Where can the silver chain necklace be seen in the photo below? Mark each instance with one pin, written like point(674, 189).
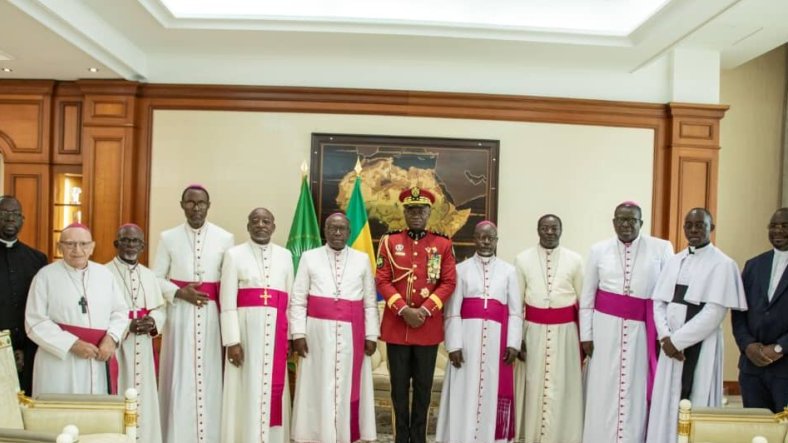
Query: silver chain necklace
point(337, 276)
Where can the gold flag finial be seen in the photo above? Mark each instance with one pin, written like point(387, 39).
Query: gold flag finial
point(358, 166)
point(304, 169)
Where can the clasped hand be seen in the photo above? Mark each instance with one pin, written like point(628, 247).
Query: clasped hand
point(670, 349)
point(190, 294)
point(102, 352)
point(414, 317)
point(761, 355)
point(142, 326)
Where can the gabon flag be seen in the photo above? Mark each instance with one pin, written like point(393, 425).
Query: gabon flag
point(360, 236)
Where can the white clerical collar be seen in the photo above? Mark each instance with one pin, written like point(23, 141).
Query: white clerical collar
point(122, 262)
point(485, 260)
point(73, 269)
point(337, 252)
point(630, 244)
point(264, 247)
point(9, 243)
point(780, 255)
point(198, 230)
point(547, 251)
point(699, 251)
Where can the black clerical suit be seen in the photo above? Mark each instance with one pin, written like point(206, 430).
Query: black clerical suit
point(766, 322)
point(18, 264)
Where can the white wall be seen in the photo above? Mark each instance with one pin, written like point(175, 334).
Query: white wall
point(249, 159)
point(750, 163)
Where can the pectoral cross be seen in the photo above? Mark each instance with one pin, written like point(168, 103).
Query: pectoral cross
point(265, 296)
point(83, 302)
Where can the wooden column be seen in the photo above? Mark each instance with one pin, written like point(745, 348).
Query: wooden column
point(25, 115)
point(107, 151)
point(694, 163)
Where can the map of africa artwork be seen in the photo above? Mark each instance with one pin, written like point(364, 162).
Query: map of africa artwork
point(461, 173)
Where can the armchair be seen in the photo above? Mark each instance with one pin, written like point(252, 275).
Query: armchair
point(100, 418)
point(730, 425)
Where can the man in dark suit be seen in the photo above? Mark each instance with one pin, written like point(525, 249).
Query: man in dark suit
point(762, 331)
point(18, 264)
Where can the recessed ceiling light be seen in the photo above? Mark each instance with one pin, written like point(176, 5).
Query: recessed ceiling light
point(93, 69)
point(7, 70)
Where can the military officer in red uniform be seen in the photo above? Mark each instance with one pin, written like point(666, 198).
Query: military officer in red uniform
point(416, 275)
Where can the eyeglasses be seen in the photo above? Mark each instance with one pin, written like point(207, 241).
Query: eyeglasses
point(72, 245)
point(620, 221)
point(130, 241)
point(697, 225)
point(780, 226)
point(12, 215)
point(191, 204)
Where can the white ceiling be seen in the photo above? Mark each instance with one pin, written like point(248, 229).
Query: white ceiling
point(144, 40)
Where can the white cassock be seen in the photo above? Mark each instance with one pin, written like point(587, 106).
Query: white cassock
point(331, 287)
point(550, 401)
point(617, 374)
point(256, 283)
point(472, 407)
point(713, 285)
point(53, 304)
point(190, 366)
point(135, 353)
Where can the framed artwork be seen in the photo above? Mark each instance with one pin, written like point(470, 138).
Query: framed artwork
point(461, 173)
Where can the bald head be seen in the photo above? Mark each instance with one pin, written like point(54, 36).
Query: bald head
point(260, 225)
point(698, 225)
point(76, 244)
point(337, 231)
point(129, 243)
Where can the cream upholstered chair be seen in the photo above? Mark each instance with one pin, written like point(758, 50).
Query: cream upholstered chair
point(730, 425)
point(100, 418)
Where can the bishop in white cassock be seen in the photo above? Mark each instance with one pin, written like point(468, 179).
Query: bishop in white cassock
point(335, 326)
point(147, 312)
point(483, 324)
point(616, 329)
point(188, 264)
point(256, 282)
point(691, 299)
point(549, 382)
point(76, 315)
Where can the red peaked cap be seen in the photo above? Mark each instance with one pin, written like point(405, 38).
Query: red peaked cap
point(416, 196)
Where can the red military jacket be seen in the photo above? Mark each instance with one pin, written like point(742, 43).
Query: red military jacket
point(415, 269)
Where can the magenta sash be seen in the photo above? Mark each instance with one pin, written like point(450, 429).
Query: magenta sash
point(211, 288)
point(329, 308)
point(555, 316)
point(551, 316)
point(253, 297)
point(638, 309)
point(94, 337)
point(498, 312)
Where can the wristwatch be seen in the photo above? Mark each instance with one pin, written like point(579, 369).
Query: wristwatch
point(778, 349)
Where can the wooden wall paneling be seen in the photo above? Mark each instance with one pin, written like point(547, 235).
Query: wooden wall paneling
point(30, 184)
point(25, 127)
point(694, 163)
point(67, 131)
point(695, 186)
point(107, 179)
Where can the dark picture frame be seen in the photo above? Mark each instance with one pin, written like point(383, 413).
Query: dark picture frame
point(463, 173)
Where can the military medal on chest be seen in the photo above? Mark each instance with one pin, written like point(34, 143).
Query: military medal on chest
point(433, 264)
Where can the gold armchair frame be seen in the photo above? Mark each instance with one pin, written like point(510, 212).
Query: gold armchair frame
point(110, 415)
point(737, 424)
